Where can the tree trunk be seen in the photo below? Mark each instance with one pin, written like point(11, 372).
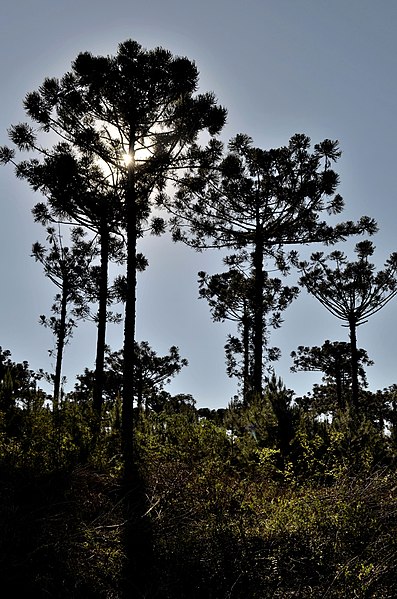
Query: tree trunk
point(354, 362)
point(101, 331)
point(138, 573)
point(258, 308)
point(129, 320)
point(246, 365)
point(60, 347)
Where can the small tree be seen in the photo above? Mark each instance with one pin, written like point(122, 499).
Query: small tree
point(153, 372)
point(334, 360)
point(67, 269)
point(351, 291)
point(18, 390)
point(230, 297)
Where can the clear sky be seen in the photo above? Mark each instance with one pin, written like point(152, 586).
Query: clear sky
point(326, 69)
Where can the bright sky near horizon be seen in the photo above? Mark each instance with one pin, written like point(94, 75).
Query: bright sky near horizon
point(326, 69)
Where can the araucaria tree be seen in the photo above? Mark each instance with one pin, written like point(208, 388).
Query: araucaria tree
point(136, 114)
point(351, 291)
point(333, 359)
point(66, 267)
point(153, 372)
point(78, 193)
point(258, 202)
point(230, 297)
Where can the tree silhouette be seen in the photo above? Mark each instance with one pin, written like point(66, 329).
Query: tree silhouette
point(351, 291)
point(18, 390)
point(334, 360)
point(66, 268)
point(258, 202)
point(230, 297)
point(78, 194)
point(153, 372)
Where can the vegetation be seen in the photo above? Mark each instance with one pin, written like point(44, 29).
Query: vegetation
point(118, 489)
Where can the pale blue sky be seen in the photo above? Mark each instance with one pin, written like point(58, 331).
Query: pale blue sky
point(327, 69)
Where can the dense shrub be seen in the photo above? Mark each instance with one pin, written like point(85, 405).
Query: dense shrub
point(224, 517)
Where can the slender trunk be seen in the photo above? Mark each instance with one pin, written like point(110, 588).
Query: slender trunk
point(258, 307)
point(61, 337)
point(138, 573)
point(101, 331)
point(60, 346)
point(129, 321)
point(246, 377)
point(354, 362)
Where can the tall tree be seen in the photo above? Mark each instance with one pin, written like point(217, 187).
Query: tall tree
point(258, 202)
point(351, 291)
point(137, 114)
point(66, 268)
point(78, 193)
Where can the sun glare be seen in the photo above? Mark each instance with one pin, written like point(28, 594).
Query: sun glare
point(142, 151)
point(127, 159)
